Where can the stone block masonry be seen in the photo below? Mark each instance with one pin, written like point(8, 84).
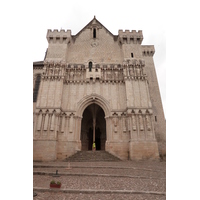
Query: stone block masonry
point(98, 87)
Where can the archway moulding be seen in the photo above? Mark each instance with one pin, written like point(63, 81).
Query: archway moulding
point(90, 99)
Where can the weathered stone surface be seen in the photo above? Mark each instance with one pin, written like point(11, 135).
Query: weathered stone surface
point(96, 86)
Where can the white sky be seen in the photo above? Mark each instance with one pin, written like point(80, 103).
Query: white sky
point(114, 15)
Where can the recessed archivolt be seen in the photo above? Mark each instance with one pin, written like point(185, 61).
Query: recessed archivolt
point(90, 99)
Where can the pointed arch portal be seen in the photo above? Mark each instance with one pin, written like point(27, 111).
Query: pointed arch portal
point(93, 128)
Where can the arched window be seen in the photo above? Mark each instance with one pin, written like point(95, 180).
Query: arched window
point(94, 33)
point(90, 66)
point(36, 88)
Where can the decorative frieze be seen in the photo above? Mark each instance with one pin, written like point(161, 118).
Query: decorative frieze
point(133, 69)
point(77, 73)
point(53, 70)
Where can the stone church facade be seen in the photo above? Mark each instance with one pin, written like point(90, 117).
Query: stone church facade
point(96, 86)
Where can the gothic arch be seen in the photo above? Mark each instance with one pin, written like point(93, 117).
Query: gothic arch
point(90, 99)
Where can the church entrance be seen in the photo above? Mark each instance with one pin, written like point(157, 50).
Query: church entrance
point(93, 128)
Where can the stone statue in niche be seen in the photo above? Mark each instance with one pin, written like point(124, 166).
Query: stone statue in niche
point(71, 75)
point(121, 75)
point(137, 69)
point(124, 70)
point(102, 74)
point(78, 75)
point(116, 75)
point(56, 71)
point(131, 71)
point(51, 71)
point(108, 75)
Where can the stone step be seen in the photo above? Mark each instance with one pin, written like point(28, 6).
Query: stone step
point(92, 156)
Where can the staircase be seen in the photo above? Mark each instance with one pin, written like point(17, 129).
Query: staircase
point(92, 156)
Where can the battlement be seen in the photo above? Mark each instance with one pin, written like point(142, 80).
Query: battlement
point(148, 50)
point(128, 36)
point(61, 36)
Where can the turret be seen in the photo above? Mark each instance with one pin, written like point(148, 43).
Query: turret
point(128, 37)
point(56, 36)
point(148, 50)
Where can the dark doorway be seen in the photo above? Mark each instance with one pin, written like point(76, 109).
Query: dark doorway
point(93, 114)
point(90, 138)
point(98, 139)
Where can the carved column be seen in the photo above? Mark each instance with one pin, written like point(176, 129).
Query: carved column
point(148, 122)
point(71, 122)
point(141, 122)
point(46, 121)
point(63, 123)
point(124, 123)
point(52, 121)
point(39, 121)
point(134, 127)
point(57, 124)
point(67, 125)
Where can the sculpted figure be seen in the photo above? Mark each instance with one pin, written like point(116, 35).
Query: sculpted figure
point(116, 75)
point(78, 75)
point(56, 71)
point(124, 71)
point(131, 71)
point(137, 71)
point(51, 71)
point(71, 75)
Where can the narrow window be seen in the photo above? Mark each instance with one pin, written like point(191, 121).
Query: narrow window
point(96, 70)
point(155, 118)
point(90, 66)
point(94, 33)
point(36, 88)
point(132, 55)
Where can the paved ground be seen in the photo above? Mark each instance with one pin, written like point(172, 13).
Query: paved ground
point(144, 180)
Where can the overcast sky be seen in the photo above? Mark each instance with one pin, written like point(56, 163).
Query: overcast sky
point(114, 15)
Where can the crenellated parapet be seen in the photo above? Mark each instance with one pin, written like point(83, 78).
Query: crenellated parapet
point(56, 36)
point(148, 50)
point(128, 37)
point(133, 69)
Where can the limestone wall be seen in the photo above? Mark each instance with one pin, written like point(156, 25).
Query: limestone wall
point(159, 118)
point(114, 93)
point(44, 150)
point(102, 49)
point(121, 80)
